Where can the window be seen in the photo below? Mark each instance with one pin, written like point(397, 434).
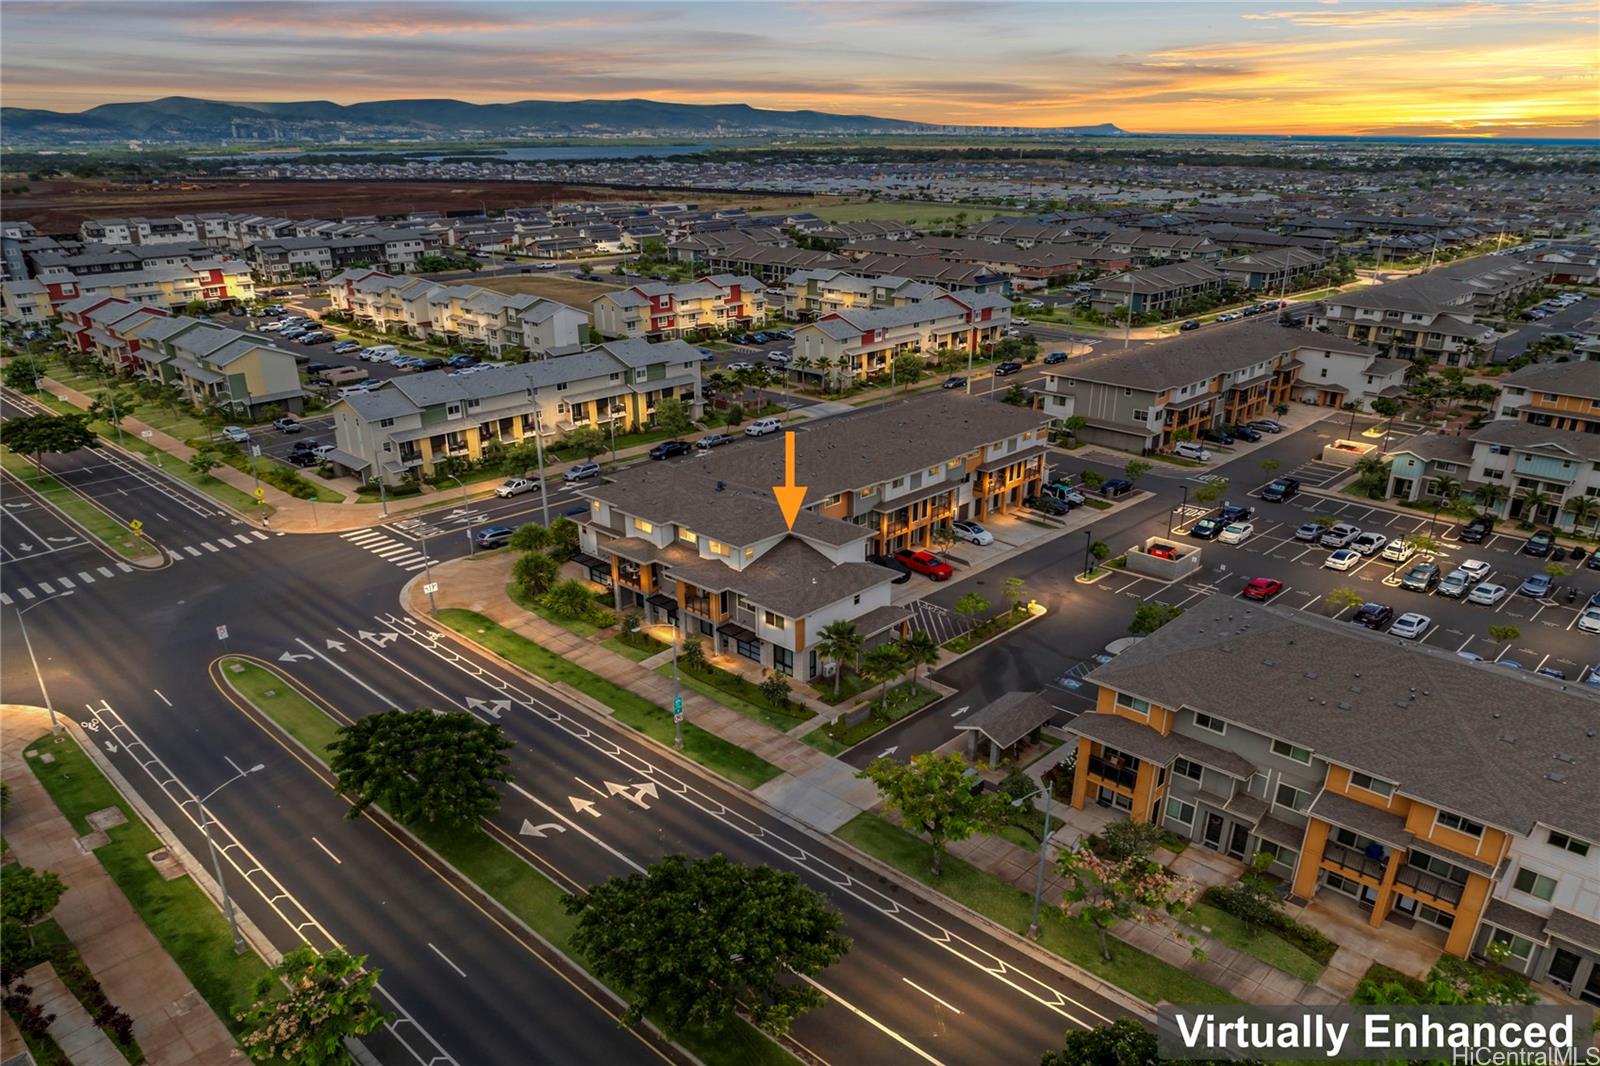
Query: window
point(782, 660)
point(716, 547)
point(1180, 812)
point(1284, 749)
point(1566, 843)
point(1371, 784)
point(1133, 703)
point(1436, 866)
point(1215, 725)
point(1459, 824)
point(1519, 947)
point(1279, 853)
point(1535, 884)
point(1184, 768)
point(750, 649)
point(1296, 799)
point(642, 526)
point(688, 536)
point(776, 621)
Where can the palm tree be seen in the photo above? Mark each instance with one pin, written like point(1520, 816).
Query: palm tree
point(1583, 509)
point(1532, 501)
point(1489, 496)
point(883, 663)
point(840, 641)
point(1446, 488)
point(919, 650)
point(1369, 473)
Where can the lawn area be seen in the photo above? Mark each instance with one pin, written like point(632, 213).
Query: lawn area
point(737, 694)
point(281, 476)
point(824, 741)
point(580, 627)
point(557, 454)
point(103, 527)
point(1143, 975)
point(177, 912)
point(494, 868)
point(634, 711)
point(1264, 944)
point(851, 685)
point(635, 652)
point(911, 212)
point(562, 289)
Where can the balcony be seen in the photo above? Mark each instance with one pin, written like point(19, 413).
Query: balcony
point(1421, 883)
point(1121, 775)
point(1354, 862)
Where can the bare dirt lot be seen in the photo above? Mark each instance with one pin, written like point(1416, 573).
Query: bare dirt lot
point(57, 207)
point(569, 291)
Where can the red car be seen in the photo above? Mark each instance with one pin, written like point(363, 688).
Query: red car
point(1263, 588)
point(925, 563)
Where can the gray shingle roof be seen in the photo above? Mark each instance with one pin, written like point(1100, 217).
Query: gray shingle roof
point(1010, 718)
point(1192, 356)
point(1569, 379)
point(1506, 747)
point(1526, 435)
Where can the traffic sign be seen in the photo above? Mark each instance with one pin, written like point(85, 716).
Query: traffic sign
point(136, 527)
point(431, 587)
point(146, 434)
point(260, 494)
point(677, 708)
point(222, 632)
point(255, 449)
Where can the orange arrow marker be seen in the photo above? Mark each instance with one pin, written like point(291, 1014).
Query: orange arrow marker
point(790, 496)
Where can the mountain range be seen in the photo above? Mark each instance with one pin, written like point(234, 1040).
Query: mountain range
point(187, 120)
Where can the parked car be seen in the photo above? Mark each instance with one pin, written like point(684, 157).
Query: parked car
point(1188, 449)
point(953, 382)
point(236, 434)
point(1398, 551)
point(925, 563)
point(971, 532)
point(1373, 615)
point(762, 426)
point(1339, 536)
point(286, 425)
point(1191, 324)
point(1540, 543)
point(1476, 530)
point(669, 449)
point(1423, 577)
point(1216, 436)
point(1476, 569)
point(1006, 369)
point(1487, 595)
point(1369, 543)
point(1116, 487)
point(1343, 559)
point(1308, 531)
point(902, 571)
point(712, 440)
point(493, 537)
point(1045, 505)
point(780, 358)
point(343, 347)
point(1055, 357)
point(1410, 625)
point(1064, 492)
point(1235, 533)
point(301, 459)
point(515, 487)
point(1284, 488)
point(323, 451)
point(1536, 585)
point(1208, 528)
point(1232, 512)
point(1454, 585)
point(1267, 425)
point(581, 472)
point(1245, 432)
point(460, 361)
point(1262, 588)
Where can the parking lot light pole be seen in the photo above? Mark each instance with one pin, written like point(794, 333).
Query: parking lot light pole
point(1088, 543)
point(472, 547)
point(1182, 506)
point(1044, 843)
point(55, 725)
point(427, 576)
point(216, 862)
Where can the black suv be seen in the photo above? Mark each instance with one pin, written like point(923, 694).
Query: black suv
point(1539, 544)
point(1006, 369)
point(1115, 488)
point(1373, 616)
point(1475, 531)
point(1281, 489)
point(667, 449)
point(1230, 513)
point(902, 571)
point(1207, 528)
point(1216, 436)
point(1246, 432)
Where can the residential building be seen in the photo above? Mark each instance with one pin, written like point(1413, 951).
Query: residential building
point(1557, 395)
point(167, 287)
point(656, 309)
point(413, 424)
point(1279, 270)
point(1383, 778)
point(502, 322)
point(703, 545)
point(1539, 468)
point(814, 293)
point(863, 341)
point(1158, 290)
point(1417, 318)
point(1335, 372)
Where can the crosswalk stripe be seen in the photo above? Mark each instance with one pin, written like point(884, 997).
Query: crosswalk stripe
point(124, 567)
point(4, 599)
point(208, 546)
point(256, 533)
point(193, 550)
point(66, 583)
point(25, 594)
point(389, 553)
point(367, 536)
point(104, 572)
point(225, 542)
point(85, 577)
point(415, 566)
point(46, 587)
point(354, 533)
point(174, 556)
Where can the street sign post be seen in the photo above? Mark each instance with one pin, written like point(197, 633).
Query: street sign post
point(136, 527)
point(222, 632)
point(431, 587)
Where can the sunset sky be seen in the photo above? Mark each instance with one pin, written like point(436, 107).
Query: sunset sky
point(1494, 68)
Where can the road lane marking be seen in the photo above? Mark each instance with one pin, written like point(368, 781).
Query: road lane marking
point(336, 859)
point(25, 594)
point(66, 583)
point(103, 572)
point(580, 829)
point(85, 577)
point(208, 546)
point(193, 551)
point(870, 1020)
point(439, 953)
point(392, 704)
point(163, 698)
point(930, 995)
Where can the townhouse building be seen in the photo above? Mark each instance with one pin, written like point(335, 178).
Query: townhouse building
point(1156, 290)
point(704, 547)
point(421, 308)
point(950, 276)
point(813, 293)
point(656, 309)
point(1149, 398)
point(1424, 317)
point(413, 424)
point(40, 299)
point(767, 263)
point(1389, 779)
point(211, 363)
point(866, 341)
point(1335, 373)
point(1272, 270)
point(1030, 267)
point(1145, 247)
point(1557, 395)
point(1539, 468)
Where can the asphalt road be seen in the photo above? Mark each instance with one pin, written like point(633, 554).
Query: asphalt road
point(1512, 345)
point(466, 988)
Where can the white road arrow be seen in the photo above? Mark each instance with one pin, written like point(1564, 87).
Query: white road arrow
point(483, 705)
point(335, 645)
point(291, 657)
point(622, 790)
point(62, 540)
point(959, 711)
point(886, 752)
point(25, 547)
point(112, 748)
point(530, 830)
point(380, 639)
point(586, 806)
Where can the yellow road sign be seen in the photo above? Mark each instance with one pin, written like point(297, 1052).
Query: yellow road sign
point(260, 494)
point(136, 527)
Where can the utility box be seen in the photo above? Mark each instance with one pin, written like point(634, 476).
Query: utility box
point(1163, 559)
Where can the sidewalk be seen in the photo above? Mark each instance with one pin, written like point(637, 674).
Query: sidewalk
point(173, 1025)
point(813, 788)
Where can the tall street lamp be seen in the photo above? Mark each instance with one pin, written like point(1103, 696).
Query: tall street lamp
point(1088, 543)
point(1181, 507)
point(538, 447)
point(677, 692)
point(1044, 842)
point(472, 548)
point(55, 725)
point(216, 862)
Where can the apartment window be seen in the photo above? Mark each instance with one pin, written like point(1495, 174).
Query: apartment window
point(1185, 768)
point(776, 621)
point(473, 405)
point(385, 423)
point(1141, 415)
point(1279, 853)
point(1133, 703)
point(642, 526)
point(1519, 947)
point(716, 547)
point(1284, 749)
point(1180, 812)
point(1535, 884)
point(1566, 843)
point(688, 536)
point(1296, 799)
point(1459, 824)
point(1438, 867)
point(782, 660)
point(1206, 721)
point(1371, 784)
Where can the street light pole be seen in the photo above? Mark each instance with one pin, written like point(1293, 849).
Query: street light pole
point(1182, 506)
point(1088, 543)
point(216, 860)
point(1044, 842)
point(55, 724)
point(427, 576)
point(472, 548)
point(677, 692)
point(538, 447)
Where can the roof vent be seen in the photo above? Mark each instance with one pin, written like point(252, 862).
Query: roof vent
point(1310, 675)
point(1508, 738)
point(1355, 688)
point(721, 485)
point(1562, 756)
point(1269, 662)
point(1558, 778)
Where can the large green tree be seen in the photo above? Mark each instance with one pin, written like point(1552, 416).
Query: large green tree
point(691, 940)
point(534, 572)
point(1121, 883)
point(934, 795)
point(672, 417)
point(37, 435)
point(23, 373)
point(422, 765)
point(329, 997)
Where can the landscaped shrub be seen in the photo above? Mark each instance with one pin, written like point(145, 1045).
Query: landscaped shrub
point(1227, 900)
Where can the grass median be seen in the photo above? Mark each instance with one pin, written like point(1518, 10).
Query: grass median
point(1145, 976)
point(181, 916)
point(737, 694)
point(487, 863)
point(629, 708)
point(101, 526)
point(1261, 944)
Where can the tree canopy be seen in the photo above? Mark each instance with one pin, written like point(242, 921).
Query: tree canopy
point(57, 434)
point(689, 940)
point(422, 765)
point(329, 997)
point(935, 796)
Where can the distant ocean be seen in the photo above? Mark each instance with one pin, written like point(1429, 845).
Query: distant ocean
point(1279, 138)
